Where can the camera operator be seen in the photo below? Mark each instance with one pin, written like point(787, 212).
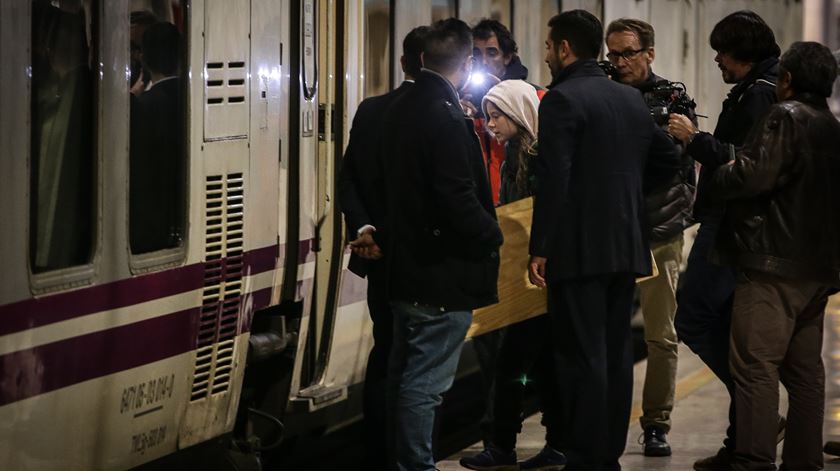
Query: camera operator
point(748, 57)
point(630, 44)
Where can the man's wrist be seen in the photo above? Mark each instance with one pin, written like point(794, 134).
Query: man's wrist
point(691, 137)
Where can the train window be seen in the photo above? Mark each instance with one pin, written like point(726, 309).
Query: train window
point(443, 9)
point(63, 117)
point(158, 150)
point(377, 47)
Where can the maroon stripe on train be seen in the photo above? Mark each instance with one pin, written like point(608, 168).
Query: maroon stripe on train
point(253, 302)
point(37, 312)
point(305, 251)
point(45, 368)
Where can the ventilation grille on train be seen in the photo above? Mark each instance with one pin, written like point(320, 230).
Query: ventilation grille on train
point(225, 83)
point(222, 296)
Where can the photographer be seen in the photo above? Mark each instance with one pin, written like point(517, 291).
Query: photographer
point(748, 57)
point(630, 45)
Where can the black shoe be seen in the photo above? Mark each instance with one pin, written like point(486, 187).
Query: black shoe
point(491, 459)
point(722, 461)
point(656, 442)
point(548, 459)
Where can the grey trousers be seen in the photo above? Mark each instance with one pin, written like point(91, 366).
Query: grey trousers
point(777, 334)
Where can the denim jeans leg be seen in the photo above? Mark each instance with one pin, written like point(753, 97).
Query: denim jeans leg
point(430, 342)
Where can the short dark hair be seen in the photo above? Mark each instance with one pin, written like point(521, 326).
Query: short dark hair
point(647, 37)
point(812, 68)
point(448, 43)
point(162, 48)
point(581, 29)
point(413, 46)
point(744, 36)
point(489, 27)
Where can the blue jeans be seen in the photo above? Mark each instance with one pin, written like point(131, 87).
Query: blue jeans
point(424, 356)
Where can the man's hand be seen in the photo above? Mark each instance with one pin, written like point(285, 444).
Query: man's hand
point(364, 246)
point(681, 127)
point(469, 109)
point(536, 271)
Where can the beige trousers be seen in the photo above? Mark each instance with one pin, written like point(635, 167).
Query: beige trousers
point(659, 306)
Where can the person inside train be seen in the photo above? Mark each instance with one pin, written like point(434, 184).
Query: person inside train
point(140, 79)
point(157, 143)
point(511, 110)
point(442, 238)
point(630, 44)
point(597, 144)
point(360, 197)
point(781, 232)
point(748, 57)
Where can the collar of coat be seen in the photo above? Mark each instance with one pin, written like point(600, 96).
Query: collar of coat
point(431, 78)
point(767, 70)
point(579, 68)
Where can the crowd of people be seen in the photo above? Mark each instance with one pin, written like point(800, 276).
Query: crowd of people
point(614, 189)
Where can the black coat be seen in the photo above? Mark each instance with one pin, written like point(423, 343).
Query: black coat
point(745, 105)
point(361, 183)
point(595, 137)
point(441, 231)
point(783, 202)
point(669, 205)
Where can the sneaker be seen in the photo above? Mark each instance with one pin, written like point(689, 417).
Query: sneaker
point(548, 459)
point(719, 462)
point(491, 459)
point(656, 442)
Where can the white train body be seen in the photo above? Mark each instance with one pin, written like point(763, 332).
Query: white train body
point(123, 359)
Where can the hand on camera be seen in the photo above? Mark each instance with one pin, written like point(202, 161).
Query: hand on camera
point(681, 127)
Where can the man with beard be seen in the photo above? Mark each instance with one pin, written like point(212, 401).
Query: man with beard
point(589, 240)
point(748, 56)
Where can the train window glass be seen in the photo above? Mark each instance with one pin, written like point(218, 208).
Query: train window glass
point(158, 129)
point(63, 117)
point(443, 9)
point(377, 47)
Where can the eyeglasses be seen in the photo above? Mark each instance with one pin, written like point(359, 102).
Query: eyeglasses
point(627, 55)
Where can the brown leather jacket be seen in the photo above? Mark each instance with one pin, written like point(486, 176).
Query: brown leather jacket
point(783, 194)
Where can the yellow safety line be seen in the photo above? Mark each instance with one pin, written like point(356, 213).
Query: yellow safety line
point(685, 386)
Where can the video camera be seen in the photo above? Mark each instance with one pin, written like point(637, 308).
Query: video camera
point(669, 97)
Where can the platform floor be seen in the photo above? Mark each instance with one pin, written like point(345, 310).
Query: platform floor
point(699, 417)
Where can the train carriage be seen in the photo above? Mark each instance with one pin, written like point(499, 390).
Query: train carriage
point(148, 305)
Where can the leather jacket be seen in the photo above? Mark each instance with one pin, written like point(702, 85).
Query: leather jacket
point(782, 195)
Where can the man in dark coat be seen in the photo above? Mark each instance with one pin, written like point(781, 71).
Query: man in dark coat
point(748, 57)
point(158, 146)
point(631, 50)
point(442, 238)
point(781, 230)
point(589, 239)
point(361, 189)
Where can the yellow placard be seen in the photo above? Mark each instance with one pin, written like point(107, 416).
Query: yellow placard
point(518, 298)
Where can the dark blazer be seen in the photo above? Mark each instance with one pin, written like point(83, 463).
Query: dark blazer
point(361, 184)
point(595, 137)
point(157, 167)
point(441, 231)
point(746, 104)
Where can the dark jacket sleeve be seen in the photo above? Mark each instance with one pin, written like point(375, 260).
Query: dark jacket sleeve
point(758, 166)
point(559, 121)
point(349, 200)
point(453, 187)
point(663, 161)
point(711, 151)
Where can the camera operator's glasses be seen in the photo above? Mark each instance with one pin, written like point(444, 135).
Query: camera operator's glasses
point(627, 55)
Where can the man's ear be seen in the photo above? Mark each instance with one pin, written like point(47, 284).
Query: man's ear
point(652, 55)
point(423, 59)
point(507, 59)
point(402, 63)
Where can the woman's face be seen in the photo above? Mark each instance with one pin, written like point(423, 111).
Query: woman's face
point(502, 127)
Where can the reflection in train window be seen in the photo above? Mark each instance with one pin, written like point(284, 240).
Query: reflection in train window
point(157, 158)
point(63, 114)
point(377, 47)
point(443, 9)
